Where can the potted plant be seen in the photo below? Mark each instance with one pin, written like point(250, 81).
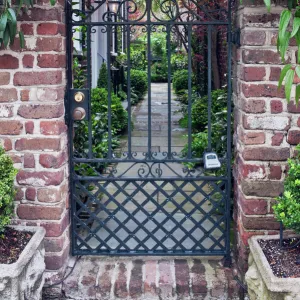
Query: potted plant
point(274, 261)
point(21, 248)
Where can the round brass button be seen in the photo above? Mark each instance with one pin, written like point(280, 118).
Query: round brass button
point(79, 97)
point(79, 114)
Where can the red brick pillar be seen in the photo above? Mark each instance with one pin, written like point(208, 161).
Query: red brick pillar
point(32, 128)
point(266, 127)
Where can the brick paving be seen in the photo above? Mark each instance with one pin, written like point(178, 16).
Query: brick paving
point(150, 279)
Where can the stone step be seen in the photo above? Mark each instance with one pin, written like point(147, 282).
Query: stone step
point(150, 279)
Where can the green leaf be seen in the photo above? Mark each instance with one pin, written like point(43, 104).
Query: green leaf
point(289, 78)
point(290, 4)
point(282, 74)
point(6, 37)
point(22, 40)
point(297, 69)
point(297, 37)
point(296, 25)
point(12, 24)
point(283, 45)
point(283, 23)
point(52, 2)
point(268, 4)
point(297, 94)
point(3, 21)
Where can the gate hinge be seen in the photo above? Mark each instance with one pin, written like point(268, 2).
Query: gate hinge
point(236, 37)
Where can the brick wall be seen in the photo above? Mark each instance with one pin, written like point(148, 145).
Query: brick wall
point(32, 128)
point(266, 128)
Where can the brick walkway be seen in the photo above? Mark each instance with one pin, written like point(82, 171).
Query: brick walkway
point(150, 279)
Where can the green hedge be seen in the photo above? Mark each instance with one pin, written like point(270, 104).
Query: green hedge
point(7, 190)
point(139, 82)
point(180, 80)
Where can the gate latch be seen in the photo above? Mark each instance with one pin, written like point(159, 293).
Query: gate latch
point(79, 102)
point(211, 161)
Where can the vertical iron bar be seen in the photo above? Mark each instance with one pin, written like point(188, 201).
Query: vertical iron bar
point(70, 124)
point(109, 154)
point(190, 28)
point(209, 85)
point(169, 91)
point(129, 91)
point(149, 86)
point(89, 86)
point(228, 200)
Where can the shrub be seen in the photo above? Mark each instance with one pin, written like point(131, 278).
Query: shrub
point(102, 79)
point(180, 80)
point(137, 60)
point(159, 71)
point(179, 61)
point(287, 208)
point(7, 190)
point(139, 82)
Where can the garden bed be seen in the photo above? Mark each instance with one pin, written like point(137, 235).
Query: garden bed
point(283, 261)
point(12, 243)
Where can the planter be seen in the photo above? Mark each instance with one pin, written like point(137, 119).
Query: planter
point(24, 280)
point(262, 283)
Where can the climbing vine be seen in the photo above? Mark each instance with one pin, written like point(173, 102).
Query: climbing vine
point(8, 20)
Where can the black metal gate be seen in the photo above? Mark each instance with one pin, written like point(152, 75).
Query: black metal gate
point(138, 186)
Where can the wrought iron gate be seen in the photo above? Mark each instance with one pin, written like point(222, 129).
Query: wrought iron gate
point(146, 194)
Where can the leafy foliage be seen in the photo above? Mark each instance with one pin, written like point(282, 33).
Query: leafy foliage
point(179, 61)
point(102, 79)
point(7, 190)
point(180, 80)
point(139, 82)
point(287, 208)
point(8, 21)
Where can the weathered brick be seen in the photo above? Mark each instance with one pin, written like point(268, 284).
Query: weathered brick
point(275, 73)
point(276, 106)
point(40, 14)
point(8, 61)
point(260, 223)
point(36, 78)
point(293, 108)
point(49, 44)
point(38, 212)
point(27, 28)
point(7, 144)
point(261, 20)
point(254, 73)
point(17, 159)
point(25, 95)
point(252, 171)
point(50, 29)
point(40, 178)
point(120, 289)
point(136, 279)
point(56, 229)
point(262, 188)
point(298, 122)
point(51, 60)
point(38, 111)
point(4, 78)
point(19, 194)
point(254, 106)
point(266, 122)
point(293, 137)
point(253, 38)
point(10, 127)
point(43, 144)
point(275, 172)
point(150, 277)
point(50, 94)
point(29, 127)
point(54, 244)
point(28, 61)
point(277, 139)
point(199, 283)
point(29, 161)
point(6, 111)
point(262, 90)
point(165, 280)
point(104, 287)
point(8, 95)
point(52, 127)
point(254, 206)
point(56, 261)
point(266, 153)
point(260, 56)
point(30, 193)
point(253, 138)
point(49, 195)
point(53, 161)
point(182, 277)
